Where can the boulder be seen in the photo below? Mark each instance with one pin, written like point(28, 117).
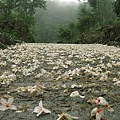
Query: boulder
point(2, 46)
point(4, 39)
point(109, 35)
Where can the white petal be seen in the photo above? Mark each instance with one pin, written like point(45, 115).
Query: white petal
point(39, 113)
point(81, 96)
point(94, 111)
point(13, 107)
point(3, 101)
point(46, 110)
point(74, 94)
point(36, 110)
point(40, 104)
point(98, 116)
point(19, 111)
point(103, 102)
point(59, 118)
point(3, 108)
point(111, 110)
point(67, 116)
point(117, 83)
point(10, 100)
point(76, 118)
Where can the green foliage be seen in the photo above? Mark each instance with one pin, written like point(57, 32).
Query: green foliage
point(86, 18)
point(93, 3)
point(92, 15)
point(9, 8)
point(84, 24)
point(103, 10)
point(21, 10)
point(65, 33)
point(69, 34)
point(116, 6)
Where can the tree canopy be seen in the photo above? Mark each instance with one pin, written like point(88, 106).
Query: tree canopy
point(117, 7)
point(57, 20)
point(92, 15)
point(22, 11)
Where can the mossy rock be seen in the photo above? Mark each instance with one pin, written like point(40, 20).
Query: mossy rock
point(93, 37)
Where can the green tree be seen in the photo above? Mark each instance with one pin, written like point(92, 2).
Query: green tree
point(21, 10)
point(21, 6)
point(69, 34)
point(117, 7)
point(86, 17)
point(103, 11)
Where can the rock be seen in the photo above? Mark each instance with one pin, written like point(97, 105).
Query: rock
point(2, 46)
point(92, 37)
point(14, 29)
point(4, 39)
point(109, 35)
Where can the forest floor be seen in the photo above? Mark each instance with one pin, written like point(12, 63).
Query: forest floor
point(31, 73)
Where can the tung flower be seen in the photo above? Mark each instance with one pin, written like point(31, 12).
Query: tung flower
point(39, 109)
point(117, 83)
point(98, 113)
point(94, 111)
point(76, 94)
point(65, 116)
point(7, 104)
point(101, 101)
point(103, 77)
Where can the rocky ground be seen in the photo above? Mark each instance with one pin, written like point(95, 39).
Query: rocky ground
point(50, 73)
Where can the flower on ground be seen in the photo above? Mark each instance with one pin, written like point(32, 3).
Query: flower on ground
point(117, 83)
point(98, 113)
point(65, 116)
point(103, 77)
point(40, 109)
point(7, 104)
point(75, 94)
point(94, 111)
point(101, 101)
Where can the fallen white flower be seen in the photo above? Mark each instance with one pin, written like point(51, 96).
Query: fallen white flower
point(39, 109)
point(75, 94)
point(101, 101)
point(103, 77)
point(117, 83)
point(98, 113)
point(94, 111)
point(7, 105)
point(75, 85)
point(115, 79)
point(65, 116)
point(110, 109)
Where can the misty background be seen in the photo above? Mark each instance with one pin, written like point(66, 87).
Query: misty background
point(52, 21)
point(57, 14)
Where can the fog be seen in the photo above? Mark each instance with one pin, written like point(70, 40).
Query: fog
point(49, 21)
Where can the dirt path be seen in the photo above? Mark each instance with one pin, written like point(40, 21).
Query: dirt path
point(51, 72)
